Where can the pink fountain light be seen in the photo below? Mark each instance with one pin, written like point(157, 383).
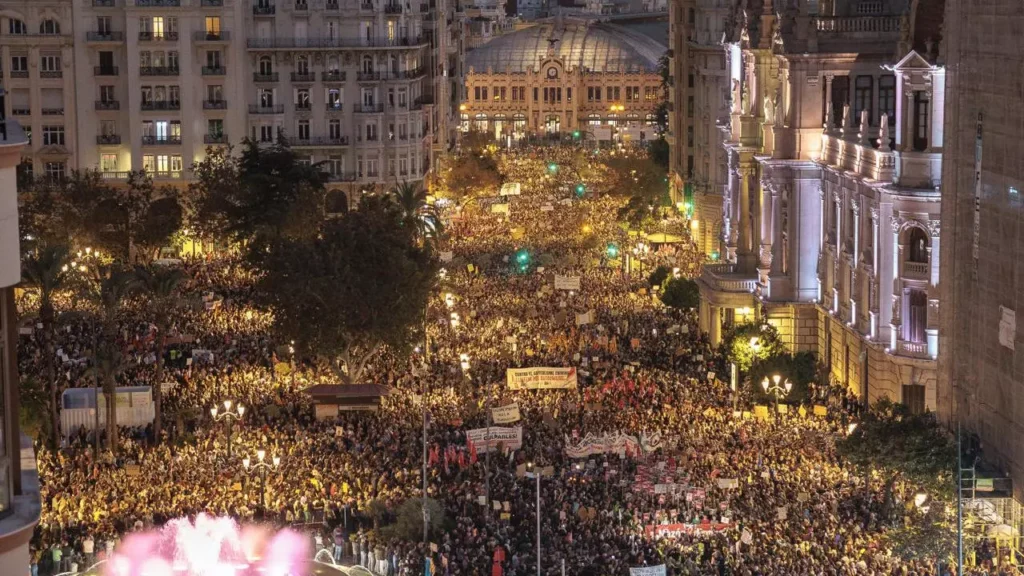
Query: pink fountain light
point(210, 547)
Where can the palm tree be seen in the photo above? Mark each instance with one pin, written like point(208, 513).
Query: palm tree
point(112, 286)
point(411, 199)
point(47, 270)
point(160, 285)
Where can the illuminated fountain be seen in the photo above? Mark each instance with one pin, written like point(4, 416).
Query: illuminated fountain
point(213, 547)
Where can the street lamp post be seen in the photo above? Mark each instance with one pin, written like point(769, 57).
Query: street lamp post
point(775, 389)
point(261, 468)
point(535, 473)
point(228, 416)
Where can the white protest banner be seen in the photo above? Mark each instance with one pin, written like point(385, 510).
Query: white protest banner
point(585, 318)
point(505, 414)
point(613, 442)
point(540, 378)
point(547, 208)
point(499, 208)
point(446, 256)
point(728, 483)
point(486, 439)
point(567, 282)
point(658, 570)
point(511, 189)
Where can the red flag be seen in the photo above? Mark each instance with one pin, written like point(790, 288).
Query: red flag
point(472, 452)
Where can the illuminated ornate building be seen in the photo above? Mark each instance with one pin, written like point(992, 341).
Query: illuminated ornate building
point(831, 211)
point(599, 79)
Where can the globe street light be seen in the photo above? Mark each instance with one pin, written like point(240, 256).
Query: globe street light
point(775, 389)
point(228, 416)
point(261, 468)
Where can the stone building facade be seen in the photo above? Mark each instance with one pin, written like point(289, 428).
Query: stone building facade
point(598, 79)
point(831, 209)
point(980, 375)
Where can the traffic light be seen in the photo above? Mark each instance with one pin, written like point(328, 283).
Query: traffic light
point(580, 190)
point(576, 134)
point(612, 251)
point(552, 167)
point(523, 257)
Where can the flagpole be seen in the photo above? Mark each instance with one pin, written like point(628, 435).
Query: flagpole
point(487, 455)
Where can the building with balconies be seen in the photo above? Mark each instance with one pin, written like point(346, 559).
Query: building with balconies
point(36, 51)
point(555, 77)
point(161, 74)
point(350, 82)
point(830, 227)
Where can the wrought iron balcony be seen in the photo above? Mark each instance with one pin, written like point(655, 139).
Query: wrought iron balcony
point(264, 10)
point(104, 36)
point(215, 104)
point(51, 73)
point(19, 73)
point(303, 107)
point(335, 107)
point(211, 36)
point(211, 3)
point(108, 105)
point(215, 139)
point(274, 109)
point(165, 141)
point(332, 76)
point(157, 3)
point(306, 77)
point(214, 70)
point(105, 71)
point(159, 71)
point(317, 142)
point(158, 37)
point(53, 111)
point(257, 77)
point(108, 139)
point(369, 108)
point(161, 105)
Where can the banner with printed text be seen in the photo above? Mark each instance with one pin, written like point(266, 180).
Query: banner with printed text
point(613, 442)
point(677, 530)
point(487, 439)
point(541, 378)
point(567, 282)
point(505, 414)
point(658, 570)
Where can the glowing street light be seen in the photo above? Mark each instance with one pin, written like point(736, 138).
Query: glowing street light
point(228, 416)
point(775, 389)
point(262, 468)
point(612, 251)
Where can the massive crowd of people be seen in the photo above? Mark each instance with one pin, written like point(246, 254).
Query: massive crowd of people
point(710, 490)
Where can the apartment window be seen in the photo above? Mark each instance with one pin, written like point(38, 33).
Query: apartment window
point(53, 135)
point(689, 106)
point(107, 94)
point(913, 398)
point(15, 26)
point(391, 131)
point(568, 94)
point(535, 92)
point(334, 129)
point(689, 80)
point(55, 170)
point(108, 128)
point(335, 165)
point(19, 63)
point(476, 93)
point(862, 94)
point(334, 97)
point(266, 66)
point(391, 31)
point(176, 164)
point(163, 163)
point(103, 24)
point(302, 65)
point(371, 167)
point(840, 96)
point(172, 60)
point(266, 133)
point(49, 63)
point(368, 99)
point(403, 166)
point(158, 29)
point(174, 94)
point(403, 97)
point(266, 98)
point(484, 92)
point(921, 120)
point(214, 59)
point(303, 130)
point(215, 93)
point(547, 98)
point(147, 94)
point(213, 25)
point(689, 136)
point(149, 163)
point(917, 316)
point(367, 64)
point(371, 132)
point(302, 98)
point(887, 97)
point(403, 132)
point(215, 127)
point(108, 163)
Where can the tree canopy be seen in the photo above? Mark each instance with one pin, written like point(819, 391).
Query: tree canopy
point(746, 344)
point(359, 284)
point(891, 439)
point(680, 293)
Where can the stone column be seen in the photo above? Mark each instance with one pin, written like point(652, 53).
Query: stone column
point(828, 97)
point(745, 211)
point(897, 289)
point(716, 325)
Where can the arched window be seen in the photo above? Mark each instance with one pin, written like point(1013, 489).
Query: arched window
point(917, 316)
point(302, 65)
point(15, 26)
point(480, 122)
point(651, 119)
point(594, 120)
point(49, 26)
point(917, 245)
point(367, 64)
point(266, 66)
point(332, 64)
point(519, 123)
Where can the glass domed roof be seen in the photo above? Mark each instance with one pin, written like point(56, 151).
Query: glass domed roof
point(595, 47)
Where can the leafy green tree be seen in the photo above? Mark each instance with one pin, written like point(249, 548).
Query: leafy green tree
point(262, 194)
point(658, 152)
point(160, 286)
point(133, 222)
point(681, 293)
point(361, 283)
point(658, 277)
point(47, 269)
point(746, 344)
point(892, 440)
point(408, 525)
point(470, 174)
